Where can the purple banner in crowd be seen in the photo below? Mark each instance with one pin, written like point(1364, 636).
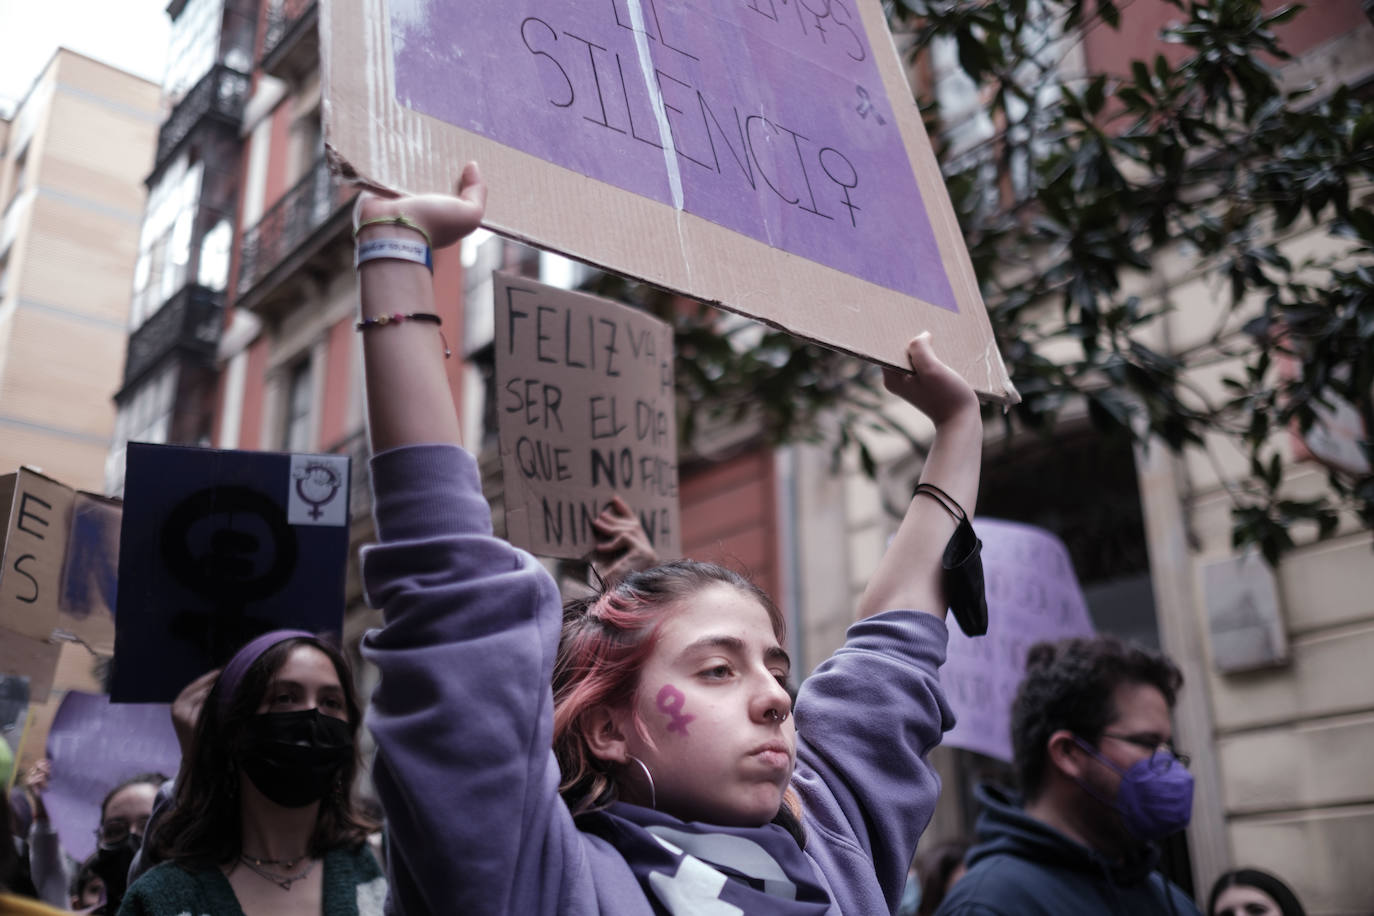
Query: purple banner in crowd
point(94, 745)
point(766, 117)
point(1033, 596)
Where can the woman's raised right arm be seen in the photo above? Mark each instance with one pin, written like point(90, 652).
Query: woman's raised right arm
point(408, 397)
point(462, 716)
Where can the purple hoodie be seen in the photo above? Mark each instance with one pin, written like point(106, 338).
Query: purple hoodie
point(463, 720)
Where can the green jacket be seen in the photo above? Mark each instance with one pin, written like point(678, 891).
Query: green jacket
point(353, 886)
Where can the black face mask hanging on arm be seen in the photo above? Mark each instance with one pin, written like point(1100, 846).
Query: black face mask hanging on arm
point(963, 566)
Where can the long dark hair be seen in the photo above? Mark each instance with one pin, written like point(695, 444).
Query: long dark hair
point(1261, 880)
point(203, 826)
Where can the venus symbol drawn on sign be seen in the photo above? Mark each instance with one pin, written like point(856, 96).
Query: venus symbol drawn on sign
point(866, 107)
point(670, 701)
point(317, 484)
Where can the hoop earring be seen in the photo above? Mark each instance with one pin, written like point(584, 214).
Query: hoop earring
point(653, 795)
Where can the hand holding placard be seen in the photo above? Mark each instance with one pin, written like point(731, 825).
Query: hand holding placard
point(35, 784)
point(445, 218)
point(186, 709)
point(625, 547)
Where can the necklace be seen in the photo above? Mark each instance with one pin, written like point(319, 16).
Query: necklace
point(287, 864)
point(282, 881)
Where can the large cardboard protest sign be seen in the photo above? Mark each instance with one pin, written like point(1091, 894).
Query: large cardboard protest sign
point(94, 745)
point(585, 411)
point(1033, 596)
point(218, 547)
point(763, 155)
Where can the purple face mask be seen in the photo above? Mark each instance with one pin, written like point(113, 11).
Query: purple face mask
point(1155, 798)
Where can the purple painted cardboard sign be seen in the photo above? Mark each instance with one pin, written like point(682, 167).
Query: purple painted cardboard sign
point(94, 745)
point(766, 117)
point(1033, 596)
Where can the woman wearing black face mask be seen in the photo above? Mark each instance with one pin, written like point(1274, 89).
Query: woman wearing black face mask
point(123, 817)
point(263, 819)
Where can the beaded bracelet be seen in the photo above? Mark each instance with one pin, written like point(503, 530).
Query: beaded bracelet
point(381, 321)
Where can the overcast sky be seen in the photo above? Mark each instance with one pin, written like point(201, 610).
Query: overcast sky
point(130, 34)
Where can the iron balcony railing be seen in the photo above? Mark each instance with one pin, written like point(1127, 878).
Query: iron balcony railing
point(220, 94)
point(286, 19)
point(189, 322)
point(291, 221)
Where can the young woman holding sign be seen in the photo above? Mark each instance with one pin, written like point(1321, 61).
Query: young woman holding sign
point(637, 753)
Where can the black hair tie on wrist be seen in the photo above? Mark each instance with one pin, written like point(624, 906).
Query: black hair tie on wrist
point(963, 566)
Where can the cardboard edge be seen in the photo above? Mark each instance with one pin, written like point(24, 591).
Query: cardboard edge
point(9, 485)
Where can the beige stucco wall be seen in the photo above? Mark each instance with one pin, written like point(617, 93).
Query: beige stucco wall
point(1288, 746)
point(88, 131)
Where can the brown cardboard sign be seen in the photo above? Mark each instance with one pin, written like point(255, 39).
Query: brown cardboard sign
point(585, 407)
point(35, 546)
point(760, 155)
point(61, 557)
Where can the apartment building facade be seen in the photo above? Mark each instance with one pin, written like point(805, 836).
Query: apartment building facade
point(74, 155)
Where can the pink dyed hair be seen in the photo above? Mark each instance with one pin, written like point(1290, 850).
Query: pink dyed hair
point(606, 640)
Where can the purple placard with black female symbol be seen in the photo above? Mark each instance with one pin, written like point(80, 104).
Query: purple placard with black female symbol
point(766, 117)
point(218, 547)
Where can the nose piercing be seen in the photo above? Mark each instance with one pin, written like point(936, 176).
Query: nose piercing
point(776, 716)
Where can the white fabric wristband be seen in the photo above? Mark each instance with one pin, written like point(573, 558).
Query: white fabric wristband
point(395, 250)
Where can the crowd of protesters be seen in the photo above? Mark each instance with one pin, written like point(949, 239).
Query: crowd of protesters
point(639, 750)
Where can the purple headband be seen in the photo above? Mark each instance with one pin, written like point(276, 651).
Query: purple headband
point(238, 666)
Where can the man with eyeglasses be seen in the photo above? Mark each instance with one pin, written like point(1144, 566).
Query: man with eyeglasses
point(1101, 784)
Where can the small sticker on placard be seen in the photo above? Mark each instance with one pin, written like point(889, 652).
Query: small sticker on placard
point(318, 490)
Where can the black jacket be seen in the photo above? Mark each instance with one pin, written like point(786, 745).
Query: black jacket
point(1023, 867)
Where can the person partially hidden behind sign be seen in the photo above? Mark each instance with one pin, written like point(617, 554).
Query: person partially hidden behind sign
point(636, 752)
point(124, 814)
point(262, 820)
point(11, 868)
point(1102, 785)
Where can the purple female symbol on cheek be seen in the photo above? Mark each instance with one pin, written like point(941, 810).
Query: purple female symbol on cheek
point(670, 700)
